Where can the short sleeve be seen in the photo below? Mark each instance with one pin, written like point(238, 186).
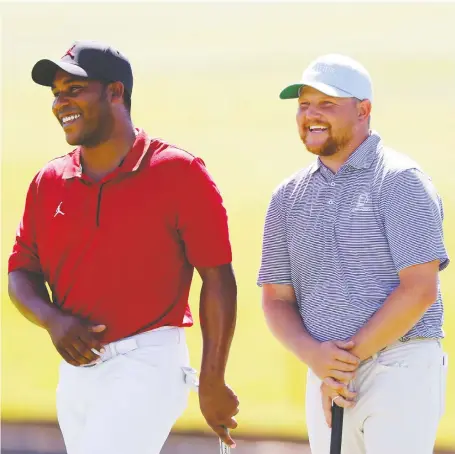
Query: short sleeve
point(25, 250)
point(275, 265)
point(203, 220)
point(413, 217)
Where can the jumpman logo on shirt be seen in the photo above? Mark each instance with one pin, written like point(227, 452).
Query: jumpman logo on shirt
point(58, 210)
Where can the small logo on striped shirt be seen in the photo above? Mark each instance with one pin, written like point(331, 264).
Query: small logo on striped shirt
point(363, 202)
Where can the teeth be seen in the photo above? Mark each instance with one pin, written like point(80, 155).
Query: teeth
point(317, 128)
point(70, 118)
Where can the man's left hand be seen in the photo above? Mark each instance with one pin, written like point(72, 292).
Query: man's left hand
point(328, 394)
point(219, 405)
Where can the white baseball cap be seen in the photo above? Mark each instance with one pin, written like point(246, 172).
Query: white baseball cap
point(335, 75)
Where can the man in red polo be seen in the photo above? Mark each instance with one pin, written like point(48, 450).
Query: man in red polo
point(116, 228)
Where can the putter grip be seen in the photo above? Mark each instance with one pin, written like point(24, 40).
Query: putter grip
point(224, 448)
point(337, 429)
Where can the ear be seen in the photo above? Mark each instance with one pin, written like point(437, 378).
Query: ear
point(116, 90)
point(364, 109)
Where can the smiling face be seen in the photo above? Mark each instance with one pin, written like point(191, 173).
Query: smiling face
point(82, 108)
point(328, 124)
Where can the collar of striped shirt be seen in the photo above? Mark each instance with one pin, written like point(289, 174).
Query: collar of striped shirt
point(362, 157)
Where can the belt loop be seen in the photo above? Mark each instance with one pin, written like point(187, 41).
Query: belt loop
point(113, 350)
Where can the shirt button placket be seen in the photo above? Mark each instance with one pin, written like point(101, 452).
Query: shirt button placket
point(331, 205)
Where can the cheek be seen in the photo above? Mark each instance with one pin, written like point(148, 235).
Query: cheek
point(54, 107)
point(338, 125)
point(91, 115)
point(344, 122)
point(300, 118)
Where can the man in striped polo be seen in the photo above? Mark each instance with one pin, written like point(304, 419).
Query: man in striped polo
point(352, 250)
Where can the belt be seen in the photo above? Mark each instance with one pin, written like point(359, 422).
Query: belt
point(160, 336)
point(401, 340)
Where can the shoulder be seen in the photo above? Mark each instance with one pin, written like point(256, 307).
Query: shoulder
point(394, 162)
point(403, 176)
point(54, 170)
point(168, 156)
point(394, 168)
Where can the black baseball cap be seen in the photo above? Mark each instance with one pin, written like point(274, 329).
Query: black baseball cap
point(87, 59)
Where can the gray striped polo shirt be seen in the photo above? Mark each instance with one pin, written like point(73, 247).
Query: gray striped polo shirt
point(341, 239)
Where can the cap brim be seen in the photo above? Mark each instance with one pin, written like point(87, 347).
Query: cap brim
point(293, 91)
point(290, 92)
point(43, 73)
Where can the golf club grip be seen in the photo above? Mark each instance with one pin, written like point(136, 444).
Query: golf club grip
point(337, 429)
point(224, 448)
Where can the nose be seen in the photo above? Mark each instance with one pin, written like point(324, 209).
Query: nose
point(59, 101)
point(312, 113)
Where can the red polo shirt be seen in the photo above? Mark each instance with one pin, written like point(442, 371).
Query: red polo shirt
point(122, 252)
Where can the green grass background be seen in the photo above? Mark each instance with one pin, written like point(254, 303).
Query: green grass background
point(207, 79)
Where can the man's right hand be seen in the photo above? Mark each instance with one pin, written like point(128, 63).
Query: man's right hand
point(74, 338)
point(332, 362)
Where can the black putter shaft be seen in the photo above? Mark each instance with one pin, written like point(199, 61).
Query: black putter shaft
point(337, 429)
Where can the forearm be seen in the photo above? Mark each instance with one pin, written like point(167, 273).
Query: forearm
point(285, 323)
point(29, 294)
point(401, 311)
point(218, 313)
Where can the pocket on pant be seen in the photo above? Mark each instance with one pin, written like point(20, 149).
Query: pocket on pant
point(443, 384)
point(417, 356)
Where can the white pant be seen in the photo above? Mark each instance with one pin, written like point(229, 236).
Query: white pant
point(400, 400)
point(127, 404)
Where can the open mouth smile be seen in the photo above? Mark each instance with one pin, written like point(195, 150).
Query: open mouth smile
point(69, 119)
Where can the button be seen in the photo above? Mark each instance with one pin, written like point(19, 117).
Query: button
point(332, 183)
point(330, 202)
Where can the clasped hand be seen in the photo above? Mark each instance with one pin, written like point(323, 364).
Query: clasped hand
point(336, 366)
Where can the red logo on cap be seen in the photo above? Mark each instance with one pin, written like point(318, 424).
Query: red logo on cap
point(68, 52)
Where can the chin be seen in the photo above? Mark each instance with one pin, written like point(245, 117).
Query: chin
point(314, 150)
point(72, 140)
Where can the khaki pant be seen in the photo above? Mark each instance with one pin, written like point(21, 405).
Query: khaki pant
point(400, 400)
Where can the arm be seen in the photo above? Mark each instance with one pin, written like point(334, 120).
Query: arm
point(284, 321)
point(218, 311)
point(282, 316)
point(404, 307)
point(413, 215)
point(26, 283)
point(326, 359)
point(28, 293)
point(203, 227)
point(279, 303)
point(72, 338)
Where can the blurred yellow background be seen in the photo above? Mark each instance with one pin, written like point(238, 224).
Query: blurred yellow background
point(207, 78)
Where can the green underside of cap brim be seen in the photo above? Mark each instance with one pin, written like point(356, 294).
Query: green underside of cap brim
point(291, 91)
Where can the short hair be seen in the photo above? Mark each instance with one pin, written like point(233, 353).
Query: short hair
point(126, 96)
point(127, 101)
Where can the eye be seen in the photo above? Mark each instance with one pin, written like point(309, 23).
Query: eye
point(328, 103)
point(75, 88)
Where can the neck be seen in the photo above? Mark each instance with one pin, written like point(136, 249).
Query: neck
point(336, 161)
point(99, 161)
